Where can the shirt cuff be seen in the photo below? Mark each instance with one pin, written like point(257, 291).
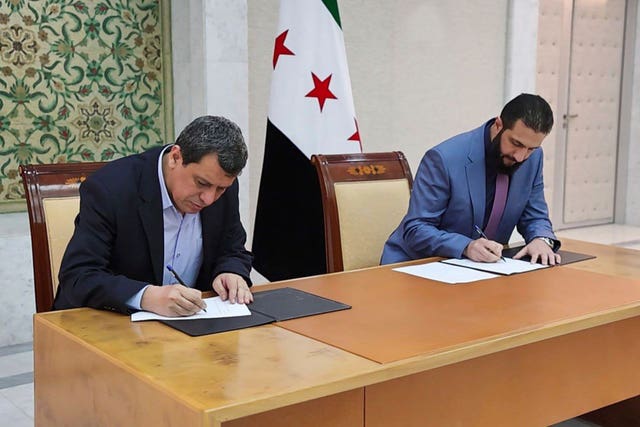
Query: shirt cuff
point(134, 301)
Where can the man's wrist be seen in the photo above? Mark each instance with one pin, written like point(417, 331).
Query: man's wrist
point(135, 301)
point(548, 241)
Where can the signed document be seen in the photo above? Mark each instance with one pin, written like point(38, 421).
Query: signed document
point(216, 308)
point(455, 270)
point(445, 273)
point(507, 267)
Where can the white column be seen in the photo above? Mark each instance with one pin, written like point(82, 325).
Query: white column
point(522, 41)
point(187, 53)
point(226, 74)
point(210, 68)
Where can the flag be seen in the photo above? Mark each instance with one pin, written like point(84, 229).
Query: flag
point(310, 112)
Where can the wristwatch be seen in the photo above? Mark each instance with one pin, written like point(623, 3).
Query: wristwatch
point(548, 241)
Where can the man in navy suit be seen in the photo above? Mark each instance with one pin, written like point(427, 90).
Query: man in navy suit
point(175, 205)
point(453, 201)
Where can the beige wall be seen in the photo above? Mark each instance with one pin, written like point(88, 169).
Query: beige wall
point(421, 71)
point(632, 216)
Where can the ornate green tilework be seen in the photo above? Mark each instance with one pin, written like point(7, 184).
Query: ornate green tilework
point(81, 81)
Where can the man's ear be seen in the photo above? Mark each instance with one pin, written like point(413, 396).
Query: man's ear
point(499, 124)
point(175, 155)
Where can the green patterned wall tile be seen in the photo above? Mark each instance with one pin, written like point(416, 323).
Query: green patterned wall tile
point(81, 81)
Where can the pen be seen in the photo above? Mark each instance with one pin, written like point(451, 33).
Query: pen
point(481, 233)
point(173, 272)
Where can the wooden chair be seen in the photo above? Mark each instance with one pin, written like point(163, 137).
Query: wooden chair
point(364, 198)
point(53, 201)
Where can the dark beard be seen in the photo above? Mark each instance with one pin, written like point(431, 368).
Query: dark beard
point(497, 156)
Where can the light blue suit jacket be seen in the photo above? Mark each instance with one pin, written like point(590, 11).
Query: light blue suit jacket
point(449, 197)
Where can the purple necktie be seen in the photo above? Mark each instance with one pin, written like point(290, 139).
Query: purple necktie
point(499, 201)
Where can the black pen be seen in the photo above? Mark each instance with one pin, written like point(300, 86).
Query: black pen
point(173, 272)
point(481, 233)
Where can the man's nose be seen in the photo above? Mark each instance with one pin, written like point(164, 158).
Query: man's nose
point(521, 154)
point(208, 197)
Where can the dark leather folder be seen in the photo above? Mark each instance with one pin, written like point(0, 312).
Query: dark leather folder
point(199, 327)
point(268, 306)
point(290, 303)
point(567, 257)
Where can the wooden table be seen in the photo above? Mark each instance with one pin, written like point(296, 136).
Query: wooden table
point(531, 349)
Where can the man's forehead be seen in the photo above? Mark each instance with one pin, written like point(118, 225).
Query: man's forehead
point(525, 135)
point(208, 168)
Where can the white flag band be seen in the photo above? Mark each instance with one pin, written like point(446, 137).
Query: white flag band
point(311, 100)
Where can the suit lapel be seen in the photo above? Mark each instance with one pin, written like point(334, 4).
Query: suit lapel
point(207, 224)
point(150, 210)
point(210, 221)
point(476, 181)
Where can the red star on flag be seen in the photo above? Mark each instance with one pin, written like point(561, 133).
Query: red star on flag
point(280, 49)
point(321, 90)
point(356, 135)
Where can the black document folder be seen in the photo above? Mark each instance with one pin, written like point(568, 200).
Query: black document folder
point(268, 306)
point(199, 327)
point(290, 303)
point(567, 257)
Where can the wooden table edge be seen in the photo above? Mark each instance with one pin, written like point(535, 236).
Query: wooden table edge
point(381, 372)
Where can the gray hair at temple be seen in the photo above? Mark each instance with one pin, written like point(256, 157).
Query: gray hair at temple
point(214, 135)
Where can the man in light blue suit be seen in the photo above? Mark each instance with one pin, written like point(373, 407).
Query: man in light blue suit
point(458, 207)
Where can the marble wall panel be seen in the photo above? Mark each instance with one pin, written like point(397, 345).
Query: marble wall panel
point(18, 303)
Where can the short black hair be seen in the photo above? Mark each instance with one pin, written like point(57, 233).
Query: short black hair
point(533, 110)
point(214, 135)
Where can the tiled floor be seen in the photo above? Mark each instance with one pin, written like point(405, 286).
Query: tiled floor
point(16, 385)
point(16, 362)
point(610, 234)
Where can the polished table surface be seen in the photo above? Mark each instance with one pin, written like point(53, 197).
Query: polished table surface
point(396, 316)
point(255, 368)
point(612, 260)
point(400, 326)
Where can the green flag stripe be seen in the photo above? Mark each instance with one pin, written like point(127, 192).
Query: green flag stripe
point(332, 5)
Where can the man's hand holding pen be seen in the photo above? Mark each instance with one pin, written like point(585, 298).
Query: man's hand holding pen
point(172, 301)
point(483, 249)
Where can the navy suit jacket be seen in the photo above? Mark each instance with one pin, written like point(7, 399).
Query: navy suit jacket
point(449, 197)
point(117, 247)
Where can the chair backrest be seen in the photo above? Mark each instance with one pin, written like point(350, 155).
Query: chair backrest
point(53, 201)
point(364, 198)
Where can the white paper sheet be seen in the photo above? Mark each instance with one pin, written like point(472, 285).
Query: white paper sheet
point(215, 308)
point(445, 273)
point(506, 267)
